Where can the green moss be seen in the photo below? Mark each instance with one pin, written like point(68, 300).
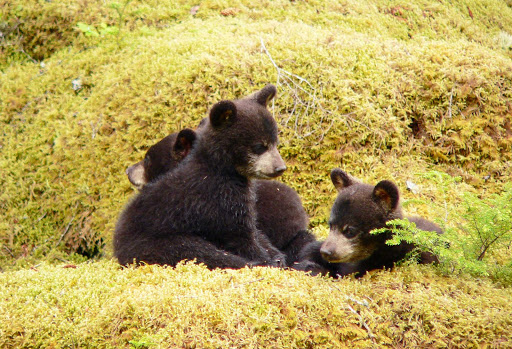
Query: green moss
point(34, 30)
point(366, 97)
point(99, 305)
point(382, 89)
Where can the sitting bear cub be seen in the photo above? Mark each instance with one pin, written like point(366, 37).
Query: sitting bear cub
point(279, 211)
point(205, 208)
point(162, 157)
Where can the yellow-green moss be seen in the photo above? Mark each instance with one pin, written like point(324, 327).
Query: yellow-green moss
point(383, 89)
point(100, 305)
point(363, 99)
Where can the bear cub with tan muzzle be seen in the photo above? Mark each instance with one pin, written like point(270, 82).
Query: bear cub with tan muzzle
point(278, 208)
point(360, 208)
point(204, 210)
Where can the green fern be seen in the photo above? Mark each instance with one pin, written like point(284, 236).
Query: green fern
point(479, 245)
point(488, 224)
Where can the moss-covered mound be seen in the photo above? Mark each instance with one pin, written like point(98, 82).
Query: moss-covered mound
point(99, 305)
point(383, 89)
point(375, 85)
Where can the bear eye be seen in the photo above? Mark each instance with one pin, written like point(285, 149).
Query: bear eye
point(259, 148)
point(350, 231)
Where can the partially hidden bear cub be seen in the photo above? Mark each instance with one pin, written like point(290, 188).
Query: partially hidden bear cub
point(161, 157)
point(279, 211)
point(205, 208)
point(358, 209)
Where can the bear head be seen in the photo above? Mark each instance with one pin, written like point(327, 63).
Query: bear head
point(162, 157)
point(358, 209)
point(243, 134)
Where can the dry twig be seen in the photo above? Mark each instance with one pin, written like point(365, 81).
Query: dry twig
point(363, 323)
point(305, 102)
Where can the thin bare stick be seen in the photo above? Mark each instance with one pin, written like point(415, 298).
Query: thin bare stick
point(450, 105)
point(268, 53)
point(65, 231)
point(22, 50)
point(40, 218)
point(305, 101)
point(363, 323)
point(8, 250)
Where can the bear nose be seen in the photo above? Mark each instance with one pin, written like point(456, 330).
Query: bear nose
point(279, 170)
point(325, 252)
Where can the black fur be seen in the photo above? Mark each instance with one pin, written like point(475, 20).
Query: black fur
point(279, 211)
point(310, 260)
point(205, 208)
point(282, 218)
point(358, 209)
point(162, 157)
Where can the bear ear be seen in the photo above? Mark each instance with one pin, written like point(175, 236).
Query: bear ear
point(265, 95)
point(340, 179)
point(222, 114)
point(387, 195)
point(184, 143)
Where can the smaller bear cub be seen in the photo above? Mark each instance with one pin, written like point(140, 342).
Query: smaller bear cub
point(162, 157)
point(358, 209)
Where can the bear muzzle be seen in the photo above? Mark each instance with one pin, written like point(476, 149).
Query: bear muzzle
point(135, 175)
point(337, 248)
point(269, 165)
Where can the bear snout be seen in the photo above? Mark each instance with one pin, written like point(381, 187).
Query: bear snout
point(328, 251)
point(336, 248)
point(269, 165)
point(279, 165)
point(326, 254)
point(135, 175)
point(279, 170)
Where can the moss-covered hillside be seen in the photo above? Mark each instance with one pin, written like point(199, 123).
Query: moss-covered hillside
point(384, 89)
point(389, 89)
point(99, 306)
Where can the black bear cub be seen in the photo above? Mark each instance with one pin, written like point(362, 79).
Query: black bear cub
point(161, 158)
point(358, 209)
point(282, 218)
point(279, 211)
point(205, 208)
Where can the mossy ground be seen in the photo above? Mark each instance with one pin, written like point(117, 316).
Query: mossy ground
point(100, 305)
point(383, 89)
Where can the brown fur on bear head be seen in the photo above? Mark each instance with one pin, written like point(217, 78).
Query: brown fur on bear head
point(165, 155)
point(243, 133)
point(358, 209)
point(162, 157)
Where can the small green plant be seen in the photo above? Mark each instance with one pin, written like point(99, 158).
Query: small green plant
point(142, 343)
point(102, 30)
point(481, 242)
point(105, 29)
point(446, 247)
point(405, 230)
point(120, 10)
point(488, 223)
